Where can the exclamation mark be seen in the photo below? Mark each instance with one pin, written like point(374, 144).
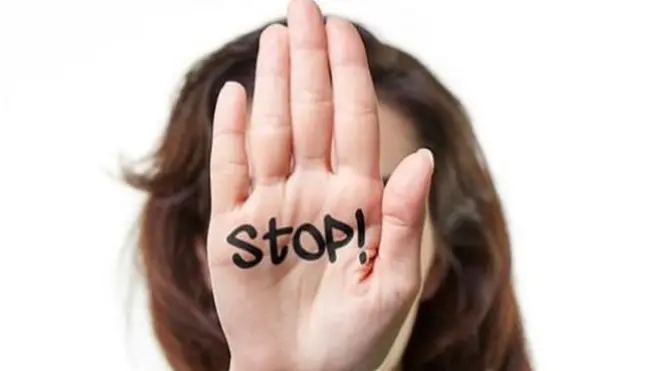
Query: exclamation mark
point(359, 216)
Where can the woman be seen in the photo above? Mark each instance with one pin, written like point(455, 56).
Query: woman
point(319, 202)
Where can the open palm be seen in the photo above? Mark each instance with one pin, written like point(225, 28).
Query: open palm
point(313, 264)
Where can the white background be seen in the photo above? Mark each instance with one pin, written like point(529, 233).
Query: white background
point(564, 97)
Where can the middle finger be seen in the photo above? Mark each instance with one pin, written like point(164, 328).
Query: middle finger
point(311, 93)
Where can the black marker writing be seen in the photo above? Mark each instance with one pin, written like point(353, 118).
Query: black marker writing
point(273, 233)
point(332, 245)
point(359, 216)
point(318, 238)
point(233, 240)
point(277, 254)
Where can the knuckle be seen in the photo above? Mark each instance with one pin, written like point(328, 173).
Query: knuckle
point(396, 218)
point(361, 111)
point(312, 97)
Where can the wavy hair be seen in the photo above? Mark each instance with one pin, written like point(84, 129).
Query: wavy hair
point(471, 323)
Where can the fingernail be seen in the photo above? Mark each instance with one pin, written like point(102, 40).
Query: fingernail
point(429, 155)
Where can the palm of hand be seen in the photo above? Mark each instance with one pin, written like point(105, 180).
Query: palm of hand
point(314, 266)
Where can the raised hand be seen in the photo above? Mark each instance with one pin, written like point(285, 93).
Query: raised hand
point(313, 264)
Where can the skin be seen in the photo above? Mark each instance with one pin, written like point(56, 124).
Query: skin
point(317, 142)
point(397, 140)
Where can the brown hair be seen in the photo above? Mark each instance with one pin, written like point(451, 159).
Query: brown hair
point(471, 323)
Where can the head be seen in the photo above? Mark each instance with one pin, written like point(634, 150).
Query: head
point(465, 317)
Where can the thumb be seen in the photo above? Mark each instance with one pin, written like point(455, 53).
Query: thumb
point(404, 201)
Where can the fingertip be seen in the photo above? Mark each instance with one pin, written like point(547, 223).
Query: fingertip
point(430, 159)
point(273, 48)
point(231, 99)
point(345, 36)
point(272, 33)
point(230, 90)
point(302, 8)
point(331, 21)
point(338, 34)
point(306, 21)
point(428, 155)
point(335, 23)
point(408, 186)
